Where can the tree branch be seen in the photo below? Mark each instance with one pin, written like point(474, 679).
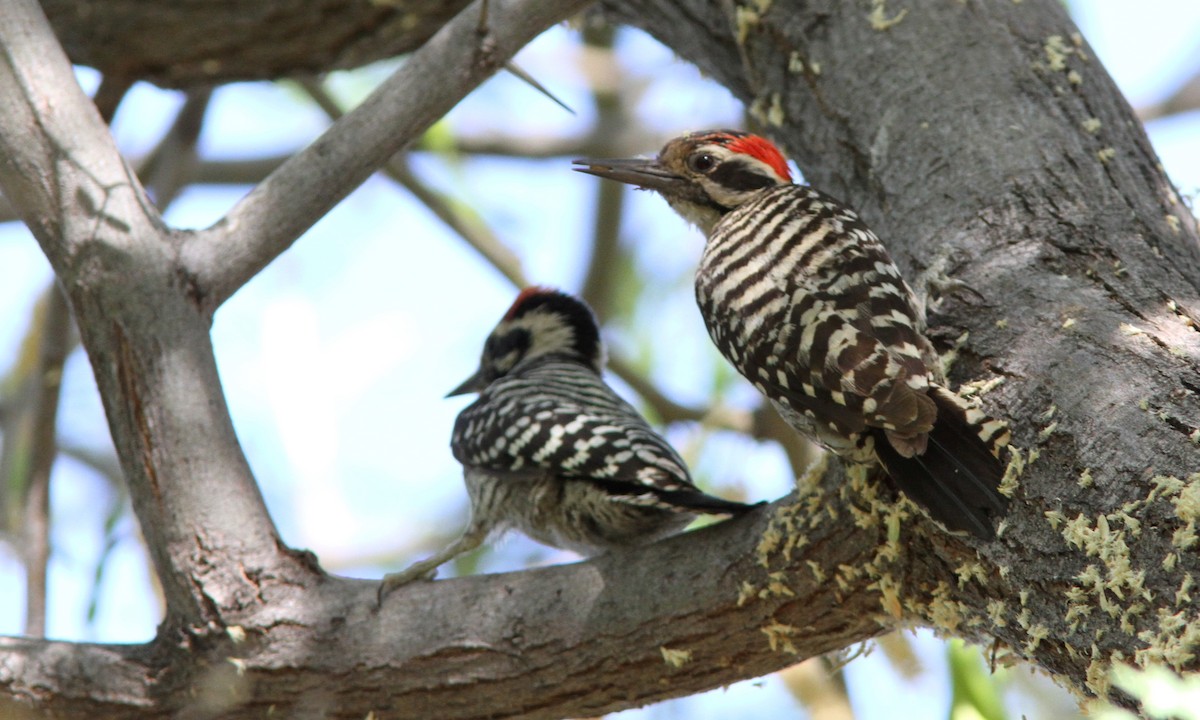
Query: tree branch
point(1185, 98)
point(43, 144)
point(600, 282)
point(147, 342)
point(172, 164)
point(29, 447)
point(195, 45)
point(454, 61)
point(475, 647)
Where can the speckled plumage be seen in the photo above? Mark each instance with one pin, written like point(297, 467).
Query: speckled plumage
point(804, 300)
point(550, 450)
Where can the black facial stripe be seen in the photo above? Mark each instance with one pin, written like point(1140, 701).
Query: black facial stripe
point(740, 176)
point(515, 342)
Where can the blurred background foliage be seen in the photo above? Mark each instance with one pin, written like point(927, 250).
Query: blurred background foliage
point(335, 359)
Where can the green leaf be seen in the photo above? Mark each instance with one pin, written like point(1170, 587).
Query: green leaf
point(976, 695)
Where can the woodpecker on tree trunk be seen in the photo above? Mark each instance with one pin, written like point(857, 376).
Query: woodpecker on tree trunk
point(549, 449)
point(801, 296)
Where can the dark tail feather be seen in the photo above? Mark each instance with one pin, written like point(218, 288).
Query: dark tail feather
point(684, 498)
point(699, 502)
point(957, 477)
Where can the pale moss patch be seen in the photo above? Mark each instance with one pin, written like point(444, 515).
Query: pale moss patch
point(980, 387)
point(969, 571)
point(879, 19)
point(1113, 582)
point(746, 593)
point(796, 63)
point(1185, 537)
point(776, 586)
point(1069, 322)
point(1097, 673)
point(847, 574)
point(995, 611)
point(1078, 607)
point(1077, 41)
point(775, 115)
point(779, 636)
point(1104, 155)
point(889, 595)
point(1085, 478)
point(1012, 472)
point(675, 658)
point(1173, 642)
point(1057, 51)
point(944, 611)
point(1164, 485)
point(784, 532)
point(817, 571)
point(747, 17)
point(1187, 503)
point(1092, 126)
point(1183, 594)
point(1037, 633)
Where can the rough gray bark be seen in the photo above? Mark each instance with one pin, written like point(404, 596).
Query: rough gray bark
point(197, 43)
point(980, 139)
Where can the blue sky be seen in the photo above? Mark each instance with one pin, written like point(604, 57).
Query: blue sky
point(336, 358)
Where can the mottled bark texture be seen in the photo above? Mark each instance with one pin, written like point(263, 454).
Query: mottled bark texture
point(191, 43)
point(982, 140)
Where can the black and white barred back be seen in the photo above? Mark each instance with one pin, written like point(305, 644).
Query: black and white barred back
point(550, 450)
point(801, 296)
point(825, 325)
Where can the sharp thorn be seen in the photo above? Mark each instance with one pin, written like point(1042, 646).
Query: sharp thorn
point(512, 68)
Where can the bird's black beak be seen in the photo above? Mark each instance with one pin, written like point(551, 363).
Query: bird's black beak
point(473, 384)
point(646, 173)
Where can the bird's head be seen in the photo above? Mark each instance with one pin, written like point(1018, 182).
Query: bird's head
point(541, 321)
point(703, 175)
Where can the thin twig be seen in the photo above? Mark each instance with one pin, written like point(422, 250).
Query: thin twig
point(268, 220)
point(468, 226)
point(30, 449)
point(172, 164)
point(109, 95)
point(600, 282)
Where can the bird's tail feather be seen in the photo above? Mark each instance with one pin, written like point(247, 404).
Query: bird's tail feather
point(677, 498)
point(958, 476)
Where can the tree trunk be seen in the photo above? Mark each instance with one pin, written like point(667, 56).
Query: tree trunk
point(982, 141)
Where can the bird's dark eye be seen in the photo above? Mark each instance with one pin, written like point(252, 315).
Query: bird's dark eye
point(702, 163)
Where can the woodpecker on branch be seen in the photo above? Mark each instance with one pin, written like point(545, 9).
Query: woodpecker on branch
point(803, 299)
point(549, 449)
